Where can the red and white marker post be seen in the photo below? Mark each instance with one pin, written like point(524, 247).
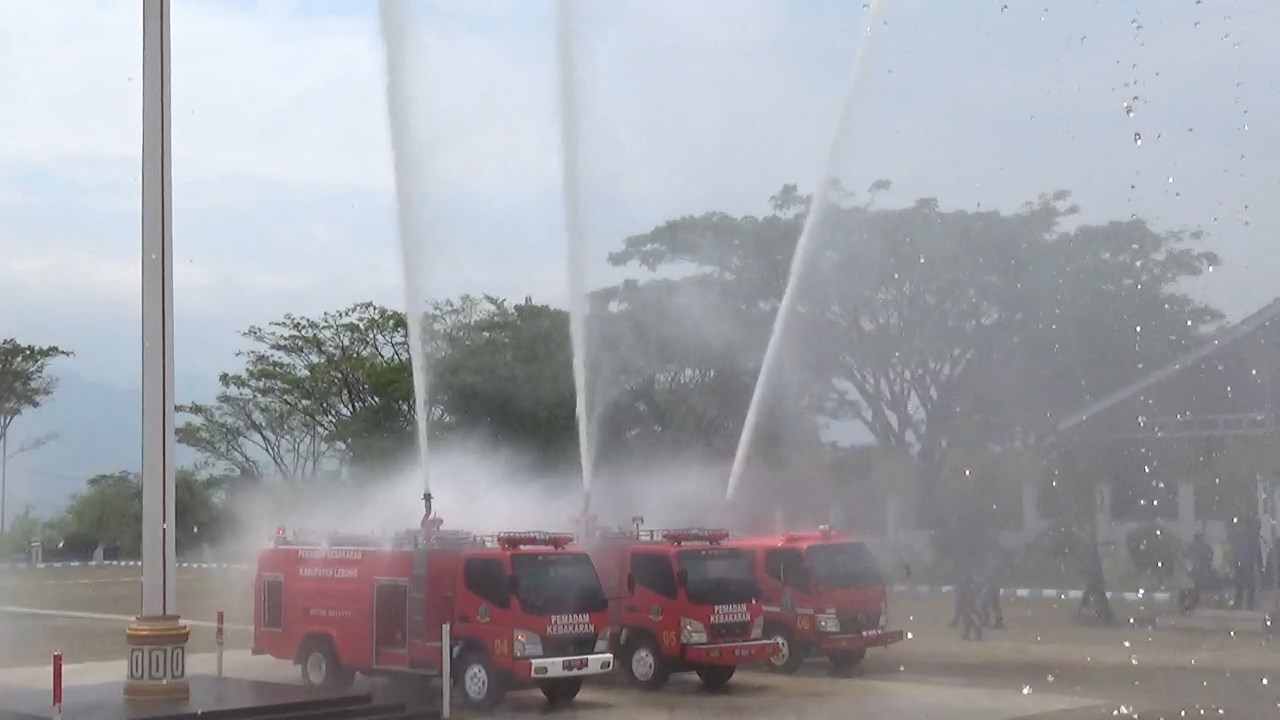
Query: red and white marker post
point(218, 640)
point(57, 686)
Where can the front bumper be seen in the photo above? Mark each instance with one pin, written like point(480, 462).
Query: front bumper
point(730, 653)
point(560, 667)
point(859, 641)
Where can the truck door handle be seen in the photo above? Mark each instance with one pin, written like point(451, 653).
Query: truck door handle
point(464, 618)
point(631, 608)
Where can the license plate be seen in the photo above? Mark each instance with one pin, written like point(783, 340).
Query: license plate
point(574, 664)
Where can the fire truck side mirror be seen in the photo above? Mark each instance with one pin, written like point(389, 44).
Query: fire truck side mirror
point(682, 577)
point(513, 584)
point(631, 583)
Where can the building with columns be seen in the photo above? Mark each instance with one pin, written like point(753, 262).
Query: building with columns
point(1190, 445)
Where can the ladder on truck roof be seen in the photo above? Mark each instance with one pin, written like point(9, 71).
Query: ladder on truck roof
point(418, 593)
point(677, 536)
point(310, 538)
point(421, 544)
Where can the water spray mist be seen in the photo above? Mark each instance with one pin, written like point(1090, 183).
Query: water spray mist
point(817, 208)
point(574, 234)
point(394, 15)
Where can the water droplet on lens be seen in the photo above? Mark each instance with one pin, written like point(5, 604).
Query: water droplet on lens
point(1137, 139)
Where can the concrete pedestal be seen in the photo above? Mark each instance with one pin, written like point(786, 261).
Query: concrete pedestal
point(157, 659)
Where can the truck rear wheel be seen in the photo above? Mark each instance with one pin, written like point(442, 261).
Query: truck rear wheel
point(561, 690)
point(321, 666)
point(846, 661)
point(482, 688)
point(643, 663)
point(715, 677)
point(789, 656)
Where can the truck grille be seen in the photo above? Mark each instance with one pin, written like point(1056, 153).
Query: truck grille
point(857, 622)
point(728, 631)
point(560, 647)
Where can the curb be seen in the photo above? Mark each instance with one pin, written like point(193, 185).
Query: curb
point(118, 563)
point(1045, 593)
point(1024, 593)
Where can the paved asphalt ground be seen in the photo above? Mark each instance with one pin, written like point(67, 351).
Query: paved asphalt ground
point(1043, 666)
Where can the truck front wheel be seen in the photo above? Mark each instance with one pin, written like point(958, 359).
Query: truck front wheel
point(644, 664)
point(789, 656)
point(846, 661)
point(562, 690)
point(715, 677)
point(321, 666)
point(482, 688)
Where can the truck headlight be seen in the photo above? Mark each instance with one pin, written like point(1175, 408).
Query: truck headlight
point(525, 644)
point(602, 641)
point(692, 632)
point(757, 628)
point(826, 623)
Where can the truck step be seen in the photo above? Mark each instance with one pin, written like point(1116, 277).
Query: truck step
point(402, 670)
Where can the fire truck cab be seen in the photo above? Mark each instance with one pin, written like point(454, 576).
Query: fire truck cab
point(523, 610)
point(679, 601)
point(823, 592)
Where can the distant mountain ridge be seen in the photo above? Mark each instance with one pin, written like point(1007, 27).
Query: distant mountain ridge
point(99, 428)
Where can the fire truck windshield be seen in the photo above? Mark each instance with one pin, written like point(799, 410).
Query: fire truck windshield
point(557, 582)
point(843, 565)
point(716, 575)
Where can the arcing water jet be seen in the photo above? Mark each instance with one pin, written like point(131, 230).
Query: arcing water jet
point(394, 16)
point(798, 262)
point(574, 235)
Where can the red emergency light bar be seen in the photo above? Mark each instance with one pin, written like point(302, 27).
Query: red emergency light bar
point(514, 540)
point(678, 537)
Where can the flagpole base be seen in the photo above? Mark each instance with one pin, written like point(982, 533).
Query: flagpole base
point(157, 659)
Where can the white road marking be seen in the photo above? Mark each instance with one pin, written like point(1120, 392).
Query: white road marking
point(84, 581)
point(126, 619)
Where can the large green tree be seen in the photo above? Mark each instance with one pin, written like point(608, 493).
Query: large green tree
point(109, 511)
point(933, 329)
point(25, 384)
point(510, 376)
point(335, 393)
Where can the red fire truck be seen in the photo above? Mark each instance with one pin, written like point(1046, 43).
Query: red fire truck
point(679, 601)
point(522, 607)
point(823, 592)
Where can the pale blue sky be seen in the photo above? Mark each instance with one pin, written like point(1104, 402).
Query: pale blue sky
point(283, 185)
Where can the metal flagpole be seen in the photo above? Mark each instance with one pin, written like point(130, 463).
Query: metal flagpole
point(157, 639)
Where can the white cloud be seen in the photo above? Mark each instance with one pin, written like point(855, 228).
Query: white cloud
point(283, 172)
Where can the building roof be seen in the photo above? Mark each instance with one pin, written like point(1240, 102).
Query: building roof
point(1220, 341)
